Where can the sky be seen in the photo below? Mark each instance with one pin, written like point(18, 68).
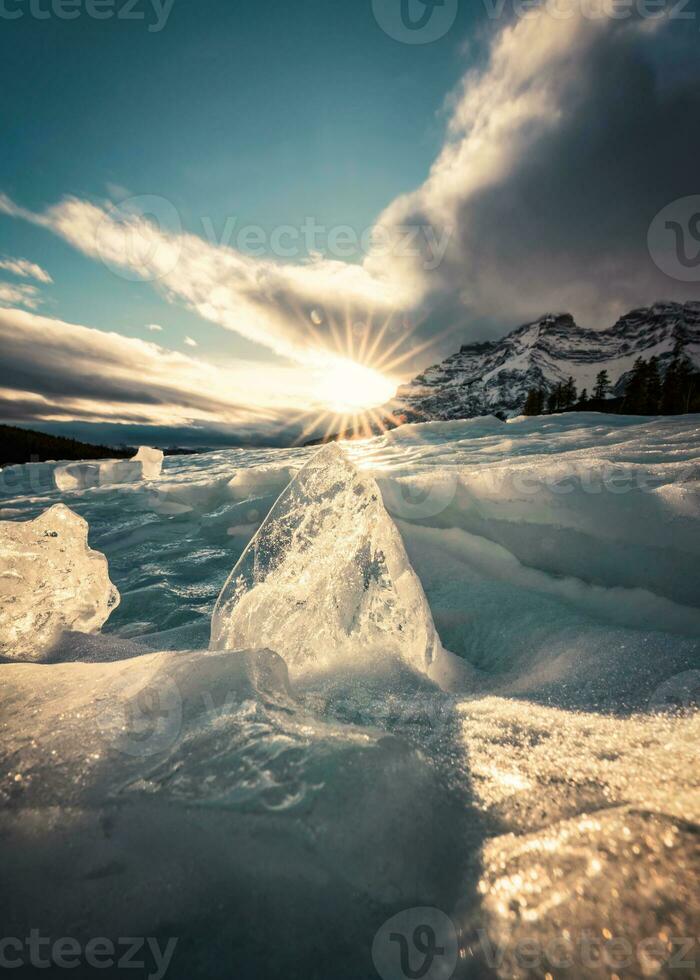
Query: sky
point(247, 223)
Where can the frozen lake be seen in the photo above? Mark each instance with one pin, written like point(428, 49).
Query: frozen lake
point(469, 685)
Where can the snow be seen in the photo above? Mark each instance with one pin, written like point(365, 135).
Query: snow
point(51, 581)
point(496, 376)
point(327, 577)
point(145, 465)
point(283, 796)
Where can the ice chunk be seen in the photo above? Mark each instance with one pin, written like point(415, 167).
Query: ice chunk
point(151, 461)
point(50, 581)
point(326, 576)
point(145, 465)
point(196, 789)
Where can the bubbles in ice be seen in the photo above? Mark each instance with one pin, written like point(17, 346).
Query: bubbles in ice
point(145, 465)
point(326, 576)
point(50, 581)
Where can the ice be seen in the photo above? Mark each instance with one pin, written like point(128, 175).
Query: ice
point(595, 860)
point(280, 819)
point(260, 482)
point(326, 577)
point(51, 581)
point(610, 500)
point(193, 793)
point(145, 465)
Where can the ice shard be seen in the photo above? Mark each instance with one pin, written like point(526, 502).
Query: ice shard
point(50, 581)
point(327, 577)
point(145, 465)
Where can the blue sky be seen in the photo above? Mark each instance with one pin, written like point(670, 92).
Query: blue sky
point(513, 165)
point(268, 112)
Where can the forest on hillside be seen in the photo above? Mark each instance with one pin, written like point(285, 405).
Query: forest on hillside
point(647, 390)
point(27, 446)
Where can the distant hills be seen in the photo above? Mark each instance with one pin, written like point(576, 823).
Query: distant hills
point(27, 446)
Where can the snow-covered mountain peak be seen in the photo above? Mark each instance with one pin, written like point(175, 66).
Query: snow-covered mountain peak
point(495, 376)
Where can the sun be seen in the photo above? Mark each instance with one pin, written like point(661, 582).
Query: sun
point(350, 377)
point(348, 387)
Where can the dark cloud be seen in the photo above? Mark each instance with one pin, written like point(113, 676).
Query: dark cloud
point(52, 370)
point(564, 224)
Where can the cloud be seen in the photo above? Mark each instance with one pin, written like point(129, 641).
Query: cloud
point(52, 371)
point(25, 269)
point(560, 149)
point(265, 301)
point(190, 342)
point(154, 327)
point(19, 294)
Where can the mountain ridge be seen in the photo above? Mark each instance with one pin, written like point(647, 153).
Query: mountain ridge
point(495, 376)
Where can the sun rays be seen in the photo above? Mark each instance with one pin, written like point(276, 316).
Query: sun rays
point(360, 360)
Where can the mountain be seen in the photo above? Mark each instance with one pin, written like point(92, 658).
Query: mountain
point(495, 376)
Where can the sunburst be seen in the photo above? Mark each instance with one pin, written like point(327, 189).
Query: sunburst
point(360, 372)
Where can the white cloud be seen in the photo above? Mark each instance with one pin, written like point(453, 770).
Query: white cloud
point(25, 269)
point(265, 301)
point(155, 327)
point(191, 342)
point(19, 294)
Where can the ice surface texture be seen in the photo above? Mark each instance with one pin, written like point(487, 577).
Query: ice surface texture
point(280, 826)
point(50, 581)
point(326, 577)
point(145, 465)
point(194, 789)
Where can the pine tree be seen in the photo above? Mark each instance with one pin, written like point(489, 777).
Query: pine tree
point(680, 387)
point(554, 401)
point(670, 394)
point(653, 388)
point(686, 383)
point(602, 385)
point(583, 400)
point(569, 394)
point(636, 388)
point(534, 403)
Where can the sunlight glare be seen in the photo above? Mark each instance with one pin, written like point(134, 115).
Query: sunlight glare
point(347, 386)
